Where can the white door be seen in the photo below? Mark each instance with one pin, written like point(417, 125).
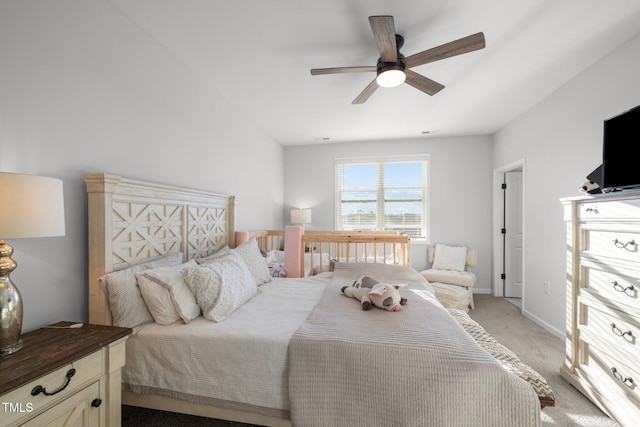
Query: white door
point(514, 235)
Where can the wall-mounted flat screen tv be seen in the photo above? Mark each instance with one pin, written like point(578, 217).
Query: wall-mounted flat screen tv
point(620, 163)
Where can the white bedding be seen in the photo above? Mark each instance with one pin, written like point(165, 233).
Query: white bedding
point(250, 358)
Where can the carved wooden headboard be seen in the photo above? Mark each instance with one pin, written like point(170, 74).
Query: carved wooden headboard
point(131, 222)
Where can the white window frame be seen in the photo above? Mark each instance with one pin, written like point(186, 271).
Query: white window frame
point(424, 158)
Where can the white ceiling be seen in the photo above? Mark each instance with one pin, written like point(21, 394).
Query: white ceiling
point(258, 53)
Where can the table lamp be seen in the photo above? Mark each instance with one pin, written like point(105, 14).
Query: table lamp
point(30, 206)
point(300, 216)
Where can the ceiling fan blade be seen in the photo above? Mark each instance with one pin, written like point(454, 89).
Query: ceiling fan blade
point(366, 93)
point(423, 83)
point(340, 70)
point(385, 34)
point(447, 50)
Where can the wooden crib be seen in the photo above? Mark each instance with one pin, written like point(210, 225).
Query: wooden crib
point(309, 252)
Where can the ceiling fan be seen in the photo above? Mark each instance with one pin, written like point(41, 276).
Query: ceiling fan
point(393, 68)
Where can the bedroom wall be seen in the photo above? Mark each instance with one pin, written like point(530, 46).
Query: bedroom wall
point(459, 183)
point(561, 142)
point(82, 89)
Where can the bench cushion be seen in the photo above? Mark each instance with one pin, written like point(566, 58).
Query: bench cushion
point(460, 278)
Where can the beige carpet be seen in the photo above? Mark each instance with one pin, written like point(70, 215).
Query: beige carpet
point(544, 352)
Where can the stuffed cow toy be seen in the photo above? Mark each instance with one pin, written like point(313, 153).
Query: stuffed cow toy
point(371, 292)
point(590, 187)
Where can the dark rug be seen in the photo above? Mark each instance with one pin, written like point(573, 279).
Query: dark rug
point(142, 417)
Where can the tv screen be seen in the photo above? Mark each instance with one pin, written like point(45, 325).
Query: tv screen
point(620, 166)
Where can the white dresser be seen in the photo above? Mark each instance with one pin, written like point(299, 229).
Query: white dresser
point(603, 301)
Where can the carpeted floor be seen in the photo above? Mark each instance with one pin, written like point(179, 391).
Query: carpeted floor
point(142, 417)
point(533, 344)
point(542, 351)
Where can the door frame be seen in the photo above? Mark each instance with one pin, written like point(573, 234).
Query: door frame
point(498, 215)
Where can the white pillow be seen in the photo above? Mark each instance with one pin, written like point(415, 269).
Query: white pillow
point(221, 252)
point(125, 301)
point(256, 263)
point(449, 258)
point(221, 286)
point(167, 295)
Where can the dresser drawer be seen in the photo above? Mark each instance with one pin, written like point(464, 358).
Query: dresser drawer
point(624, 210)
point(617, 331)
point(611, 286)
point(87, 371)
point(620, 375)
point(611, 243)
point(616, 383)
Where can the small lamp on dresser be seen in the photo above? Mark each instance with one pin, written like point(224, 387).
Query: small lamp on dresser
point(30, 206)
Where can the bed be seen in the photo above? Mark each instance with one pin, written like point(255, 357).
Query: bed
point(318, 359)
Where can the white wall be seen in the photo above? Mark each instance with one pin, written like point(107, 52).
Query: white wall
point(561, 142)
point(459, 183)
point(82, 89)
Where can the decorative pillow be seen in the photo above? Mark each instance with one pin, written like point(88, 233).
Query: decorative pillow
point(256, 263)
point(449, 257)
point(125, 301)
point(167, 295)
point(221, 286)
point(221, 252)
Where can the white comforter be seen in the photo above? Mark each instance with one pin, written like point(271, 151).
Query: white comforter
point(242, 359)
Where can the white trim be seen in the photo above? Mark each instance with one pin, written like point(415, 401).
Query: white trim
point(497, 227)
point(537, 320)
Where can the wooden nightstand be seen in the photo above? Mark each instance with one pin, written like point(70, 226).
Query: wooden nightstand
point(64, 376)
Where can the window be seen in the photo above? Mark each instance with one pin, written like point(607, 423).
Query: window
point(382, 194)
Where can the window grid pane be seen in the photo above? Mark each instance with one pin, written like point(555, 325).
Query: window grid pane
point(382, 196)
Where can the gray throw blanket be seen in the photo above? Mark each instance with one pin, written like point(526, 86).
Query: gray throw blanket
point(415, 367)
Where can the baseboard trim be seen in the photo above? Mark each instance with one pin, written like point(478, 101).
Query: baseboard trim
point(545, 325)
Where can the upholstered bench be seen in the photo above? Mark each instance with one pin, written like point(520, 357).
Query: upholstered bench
point(506, 357)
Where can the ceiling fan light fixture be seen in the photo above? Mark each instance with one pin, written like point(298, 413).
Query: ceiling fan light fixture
point(391, 76)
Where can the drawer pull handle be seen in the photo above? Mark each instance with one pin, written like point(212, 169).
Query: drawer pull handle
point(618, 287)
point(618, 332)
point(590, 209)
point(618, 376)
point(39, 389)
point(96, 403)
point(622, 245)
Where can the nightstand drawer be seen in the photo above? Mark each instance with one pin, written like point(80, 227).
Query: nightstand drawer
point(79, 410)
point(56, 383)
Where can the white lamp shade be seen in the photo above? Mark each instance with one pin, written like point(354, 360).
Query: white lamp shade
point(30, 206)
point(301, 216)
